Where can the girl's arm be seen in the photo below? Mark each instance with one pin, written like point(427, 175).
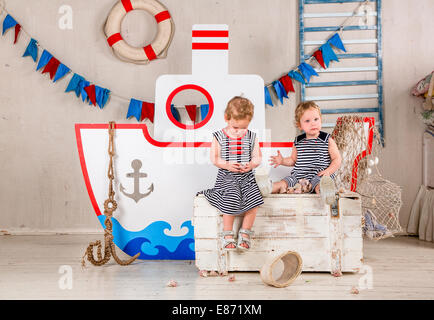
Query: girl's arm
point(335, 157)
point(218, 161)
point(288, 162)
point(256, 158)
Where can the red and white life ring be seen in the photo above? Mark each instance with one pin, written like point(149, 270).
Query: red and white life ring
point(158, 48)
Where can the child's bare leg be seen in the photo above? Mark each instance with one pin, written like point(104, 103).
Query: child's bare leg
point(317, 189)
point(228, 224)
point(249, 219)
point(279, 187)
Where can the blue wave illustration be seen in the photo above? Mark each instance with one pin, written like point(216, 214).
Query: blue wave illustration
point(182, 252)
point(152, 242)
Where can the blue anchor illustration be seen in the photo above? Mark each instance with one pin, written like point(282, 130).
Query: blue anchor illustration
point(136, 175)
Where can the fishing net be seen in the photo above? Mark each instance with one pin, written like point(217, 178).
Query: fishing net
point(360, 144)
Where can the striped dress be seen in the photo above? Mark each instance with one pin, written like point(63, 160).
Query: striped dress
point(234, 193)
point(312, 157)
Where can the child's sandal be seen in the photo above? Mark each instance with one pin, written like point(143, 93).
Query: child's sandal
point(229, 241)
point(244, 240)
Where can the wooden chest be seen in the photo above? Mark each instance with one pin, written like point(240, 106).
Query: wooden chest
point(326, 239)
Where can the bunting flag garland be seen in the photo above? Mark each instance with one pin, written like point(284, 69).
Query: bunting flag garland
point(62, 70)
point(318, 56)
point(74, 84)
point(296, 76)
point(51, 67)
point(328, 54)
point(148, 110)
point(204, 109)
point(307, 71)
point(268, 97)
point(8, 23)
point(102, 96)
point(191, 110)
point(287, 83)
point(135, 109)
point(175, 113)
point(32, 50)
point(141, 110)
point(84, 95)
point(46, 56)
point(90, 90)
point(98, 96)
point(17, 32)
point(280, 90)
point(336, 41)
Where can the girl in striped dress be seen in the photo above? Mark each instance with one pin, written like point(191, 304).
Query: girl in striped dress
point(315, 155)
point(235, 151)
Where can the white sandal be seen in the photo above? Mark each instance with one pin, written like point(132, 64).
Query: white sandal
point(228, 241)
point(242, 239)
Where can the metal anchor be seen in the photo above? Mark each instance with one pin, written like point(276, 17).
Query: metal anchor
point(136, 175)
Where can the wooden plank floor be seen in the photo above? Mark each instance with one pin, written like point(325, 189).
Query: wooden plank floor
point(396, 268)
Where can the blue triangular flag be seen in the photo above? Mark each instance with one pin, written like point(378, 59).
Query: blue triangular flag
point(135, 109)
point(337, 42)
point(328, 54)
point(32, 50)
point(62, 70)
point(307, 71)
point(8, 23)
point(280, 90)
point(99, 95)
point(268, 97)
point(46, 56)
point(296, 76)
point(175, 113)
point(204, 109)
point(81, 85)
point(105, 98)
point(74, 84)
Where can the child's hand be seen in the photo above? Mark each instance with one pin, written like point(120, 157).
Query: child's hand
point(324, 173)
point(276, 160)
point(233, 167)
point(247, 167)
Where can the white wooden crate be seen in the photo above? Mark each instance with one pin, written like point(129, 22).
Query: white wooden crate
point(300, 223)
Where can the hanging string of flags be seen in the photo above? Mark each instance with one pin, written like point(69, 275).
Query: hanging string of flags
point(303, 73)
point(98, 96)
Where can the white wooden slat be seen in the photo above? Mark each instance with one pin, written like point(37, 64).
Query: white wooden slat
point(352, 41)
point(343, 97)
point(338, 14)
point(350, 69)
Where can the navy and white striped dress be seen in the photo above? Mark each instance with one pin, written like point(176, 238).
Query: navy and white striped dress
point(312, 157)
point(234, 193)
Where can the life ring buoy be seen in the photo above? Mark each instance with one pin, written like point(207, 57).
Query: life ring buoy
point(157, 49)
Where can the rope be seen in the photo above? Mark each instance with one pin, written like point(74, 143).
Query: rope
point(110, 206)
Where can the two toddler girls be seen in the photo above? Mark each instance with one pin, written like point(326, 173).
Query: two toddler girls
point(235, 151)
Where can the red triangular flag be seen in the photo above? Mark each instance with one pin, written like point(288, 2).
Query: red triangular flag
point(318, 56)
point(51, 67)
point(90, 90)
point(287, 83)
point(147, 111)
point(17, 31)
point(191, 110)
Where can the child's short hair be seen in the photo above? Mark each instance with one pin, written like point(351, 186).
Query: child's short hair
point(239, 108)
point(302, 108)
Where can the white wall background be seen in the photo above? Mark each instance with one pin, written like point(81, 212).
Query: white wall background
point(42, 187)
